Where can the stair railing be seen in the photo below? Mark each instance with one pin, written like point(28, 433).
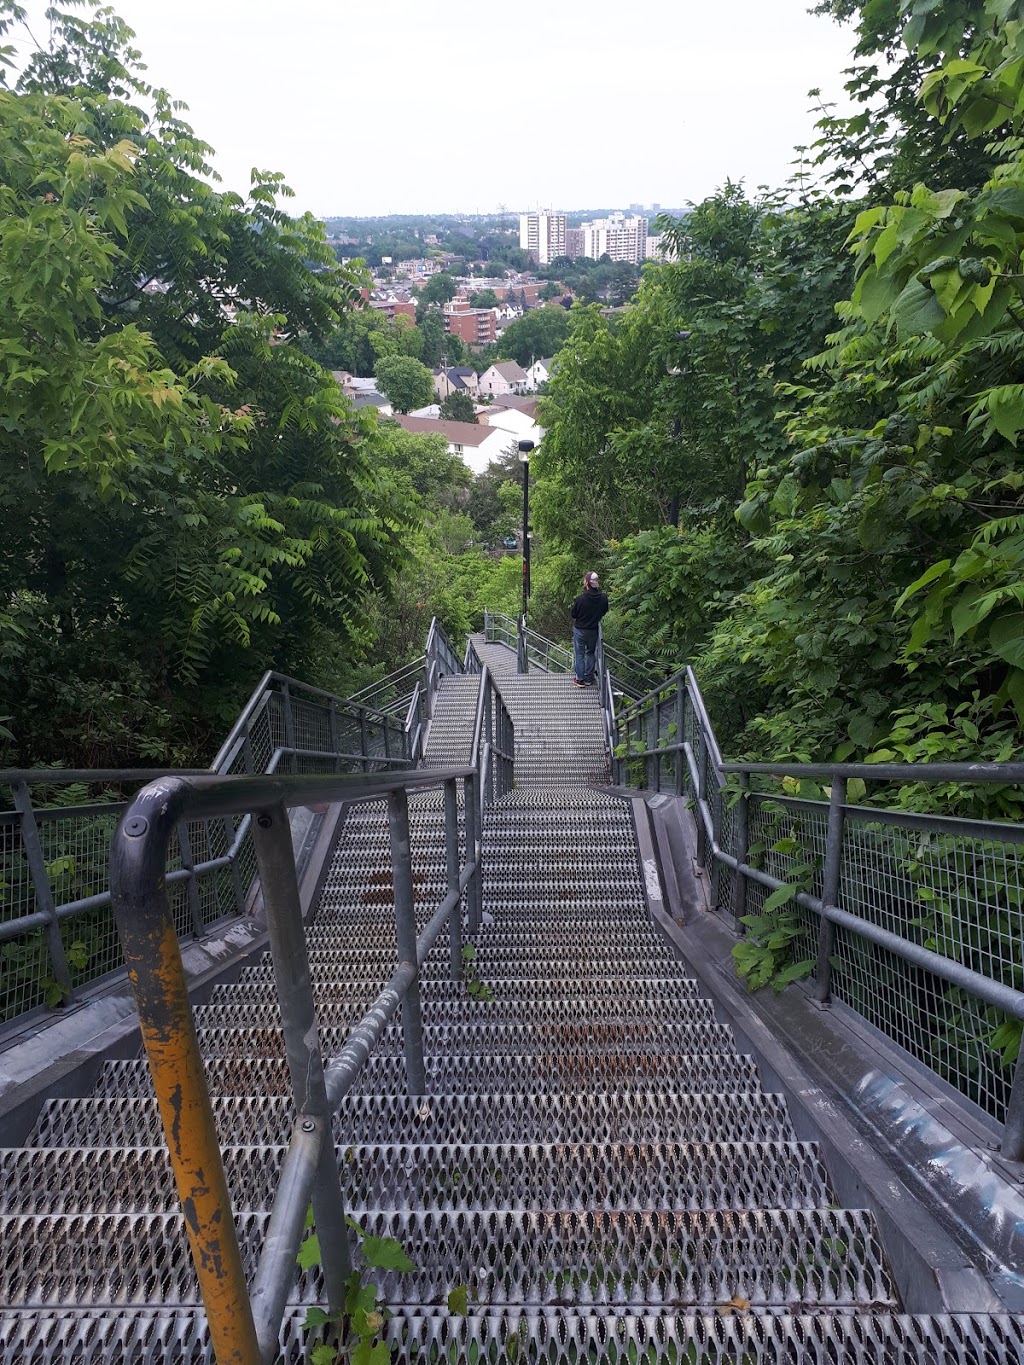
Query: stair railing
point(492, 755)
point(55, 916)
point(245, 1324)
point(912, 920)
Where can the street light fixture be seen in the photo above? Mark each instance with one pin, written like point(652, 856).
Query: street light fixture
point(525, 449)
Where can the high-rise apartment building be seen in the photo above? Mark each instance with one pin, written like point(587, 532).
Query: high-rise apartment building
point(542, 235)
point(621, 238)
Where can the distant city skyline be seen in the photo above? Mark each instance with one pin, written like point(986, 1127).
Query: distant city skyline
point(356, 113)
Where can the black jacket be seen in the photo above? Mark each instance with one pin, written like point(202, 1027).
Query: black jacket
point(588, 609)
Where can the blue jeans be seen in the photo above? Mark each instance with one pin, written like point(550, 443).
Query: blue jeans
point(584, 643)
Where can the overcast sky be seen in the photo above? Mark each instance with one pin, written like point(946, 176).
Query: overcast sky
point(397, 106)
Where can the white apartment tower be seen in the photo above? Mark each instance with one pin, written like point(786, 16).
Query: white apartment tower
point(621, 238)
point(542, 235)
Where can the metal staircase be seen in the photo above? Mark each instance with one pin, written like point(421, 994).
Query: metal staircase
point(594, 1158)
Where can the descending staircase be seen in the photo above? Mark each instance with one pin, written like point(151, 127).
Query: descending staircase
point(594, 1159)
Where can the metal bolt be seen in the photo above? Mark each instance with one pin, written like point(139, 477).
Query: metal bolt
point(136, 827)
point(264, 820)
point(308, 1125)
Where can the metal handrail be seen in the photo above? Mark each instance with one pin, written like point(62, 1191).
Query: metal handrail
point(700, 772)
point(246, 1328)
point(277, 702)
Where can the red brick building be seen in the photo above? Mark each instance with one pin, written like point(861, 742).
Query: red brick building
point(474, 326)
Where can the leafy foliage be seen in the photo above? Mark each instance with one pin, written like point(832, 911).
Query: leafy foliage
point(182, 486)
point(406, 382)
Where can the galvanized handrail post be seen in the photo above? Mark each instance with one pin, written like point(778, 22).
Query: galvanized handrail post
point(1012, 1144)
point(405, 930)
point(830, 889)
point(451, 844)
point(332, 728)
point(654, 741)
point(279, 882)
point(474, 891)
point(30, 842)
point(236, 876)
point(488, 794)
point(521, 655)
point(680, 738)
point(741, 852)
point(289, 727)
point(192, 890)
point(364, 740)
point(151, 952)
point(700, 748)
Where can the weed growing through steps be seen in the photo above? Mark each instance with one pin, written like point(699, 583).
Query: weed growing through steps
point(356, 1330)
point(475, 988)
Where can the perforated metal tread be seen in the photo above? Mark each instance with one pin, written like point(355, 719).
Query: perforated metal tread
point(558, 1337)
point(576, 1176)
point(777, 1259)
point(634, 1116)
point(657, 994)
point(537, 1073)
point(461, 1039)
point(573, 1011)
point(354, 964)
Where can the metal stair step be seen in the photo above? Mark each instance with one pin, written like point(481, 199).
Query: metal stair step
point(483, 1038)
point(580, 1176)
point(639, 997)
point(773, 1259)
point(538, 1073)
point(377, 964)
point(559, 1336)
point(40, 1173)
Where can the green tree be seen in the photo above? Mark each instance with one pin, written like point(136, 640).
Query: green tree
point(405, 382)
point(484, 298)
point(541, 332)
point(458, 407)
point(189, 497)
point(441, 288)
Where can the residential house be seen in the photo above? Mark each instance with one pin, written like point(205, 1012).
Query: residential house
point(473, 442)
point(456, 379)
point(538, 373)
point(507, 376)
point(362, 393)
point(517, 422)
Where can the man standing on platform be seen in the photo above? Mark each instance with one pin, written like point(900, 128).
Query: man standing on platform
point(586, 613)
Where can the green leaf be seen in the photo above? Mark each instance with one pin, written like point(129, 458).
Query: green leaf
point(323, 1355)
point(916, 310)
point(309, 1253)
point(929, 576)
point(861, 730)
point(369, 1354)
point(794, 972)
point(316, 1317)
point(1006, 635)
point(384, 1253)
point(458, 1300)
point(779, 897)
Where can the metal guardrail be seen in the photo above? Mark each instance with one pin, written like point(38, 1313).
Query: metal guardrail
point(57, 932)
point(409, 691)
point(914, 921)
point(629, 678)
point(244, 1325)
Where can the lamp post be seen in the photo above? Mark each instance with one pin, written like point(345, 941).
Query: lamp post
point(677, 372)
point(525, 447)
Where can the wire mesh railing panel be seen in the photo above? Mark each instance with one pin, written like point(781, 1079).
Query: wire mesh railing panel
point(960, 896)
point(788, 842)
point(17, 895)
point(26, 981)
point(943, 1026)
point(311, 724)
